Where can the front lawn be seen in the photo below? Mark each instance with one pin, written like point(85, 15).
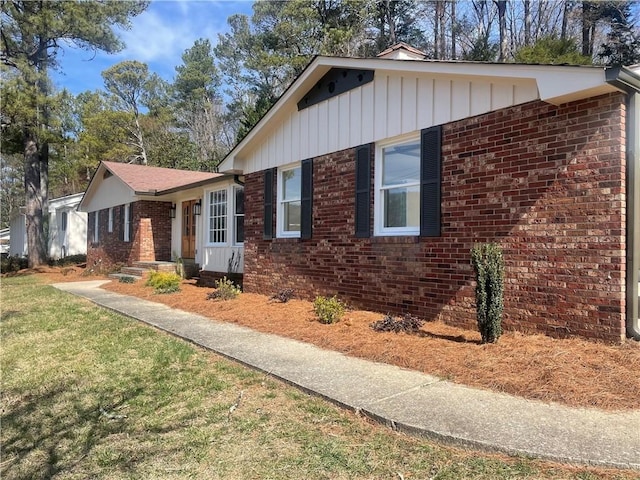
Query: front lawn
point(87, 393)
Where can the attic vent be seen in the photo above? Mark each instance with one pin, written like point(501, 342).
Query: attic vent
point(335, 82)
point(107, 174)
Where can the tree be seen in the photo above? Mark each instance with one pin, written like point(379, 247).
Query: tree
point(32, 33)
point(622, 46)
point(132, 87)
point(552, 51)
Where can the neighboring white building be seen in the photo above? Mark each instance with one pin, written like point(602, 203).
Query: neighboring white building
point(67, 229)
point(4, 240)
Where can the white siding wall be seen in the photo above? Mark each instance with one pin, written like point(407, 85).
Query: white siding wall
point(391, 105)
point(112, 192)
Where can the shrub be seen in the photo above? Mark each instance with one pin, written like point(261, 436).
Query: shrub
point(328, 310)
point(164, 282)
point(12, 264)
point(488, 265)
point(406, 323)
point(126, 279)
point(283, 296)
point(225, 290)
point(69, 260)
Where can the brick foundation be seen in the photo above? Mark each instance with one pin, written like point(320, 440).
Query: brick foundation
point(150, 237)
point(547, 183)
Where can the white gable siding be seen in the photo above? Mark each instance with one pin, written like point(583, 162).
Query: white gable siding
point(393, 104)
point(112, 192)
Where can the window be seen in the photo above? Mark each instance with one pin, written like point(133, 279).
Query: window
point(398, 188)
point(218, 216)
point(238, 215)
point(289, 201)
point(407, 186)
point(110, 225)
point(63, 221)
point(126, 223)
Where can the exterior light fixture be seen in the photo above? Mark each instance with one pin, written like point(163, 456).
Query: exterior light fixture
point(197, 207)
point(172, 211)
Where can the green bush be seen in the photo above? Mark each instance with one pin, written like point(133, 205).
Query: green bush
point(69, 260)
point(488, 265)
point(225, 289)
point(164, 282)
point(126, 279)
point(328, 310)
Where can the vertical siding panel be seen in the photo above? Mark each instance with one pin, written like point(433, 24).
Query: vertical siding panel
point(442, 105)
point(394, 105)
point(303, 134)
point(314, 126)
point(334, 124)
point(367, 118)
point(525, 93)
point(460, 99)
point(272, 158)
point(480, 97)
point(380, 107)
point(425, 102)
point(295, 136)
point(279, 142)
point(344, 123)
point(355, 99)
point(501, 95)
point(409, 104)
point(323, 128)
point(286, 153)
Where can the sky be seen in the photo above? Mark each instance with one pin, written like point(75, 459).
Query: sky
point(158, 37)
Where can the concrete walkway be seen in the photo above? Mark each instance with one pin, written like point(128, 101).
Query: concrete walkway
point(402, 399)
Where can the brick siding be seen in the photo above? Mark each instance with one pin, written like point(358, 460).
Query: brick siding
point(150, 237)
point(546, 182)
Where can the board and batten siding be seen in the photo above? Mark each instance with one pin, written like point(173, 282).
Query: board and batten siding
point(391, 105)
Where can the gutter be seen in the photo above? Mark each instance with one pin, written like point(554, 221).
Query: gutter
point(629, 82)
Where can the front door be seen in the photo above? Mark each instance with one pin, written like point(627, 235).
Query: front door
point(188, 230)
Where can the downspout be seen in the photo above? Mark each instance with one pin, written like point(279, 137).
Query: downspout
point(629, 82)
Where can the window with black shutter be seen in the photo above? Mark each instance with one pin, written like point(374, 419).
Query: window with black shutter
point(306, 199)
point(363, 191)
point(267, 219)
point(430, 160)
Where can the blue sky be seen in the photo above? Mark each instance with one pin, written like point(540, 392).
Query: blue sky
point(158, 37)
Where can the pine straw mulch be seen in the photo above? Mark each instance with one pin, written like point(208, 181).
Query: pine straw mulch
point(573, 372)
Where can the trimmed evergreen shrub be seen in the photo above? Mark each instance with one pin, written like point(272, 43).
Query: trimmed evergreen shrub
point(406, 323)
point(488, 265)
point(328, 310)
point(164, 282)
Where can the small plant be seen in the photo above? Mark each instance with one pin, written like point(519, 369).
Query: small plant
point(126, 279)
point(406, 323)
point(488, 265)
point(328, 310)
point(225, 289)
point(283, 296)
point(164, 282)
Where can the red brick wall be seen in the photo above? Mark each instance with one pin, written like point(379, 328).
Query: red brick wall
point(150, 237)
point(545, 182)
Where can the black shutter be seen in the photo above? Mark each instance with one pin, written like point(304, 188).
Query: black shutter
point(268, 204)
point(92, 228)
point(306, 199)
point(121, 223)
point(430, 159)
point(363, 191)
point(131, 236)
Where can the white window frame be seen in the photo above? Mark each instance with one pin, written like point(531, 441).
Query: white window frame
point(126, 220)
point(235, 216)
point(379, 228)
point(209, 217)
point(110, 224)
point(280, 231)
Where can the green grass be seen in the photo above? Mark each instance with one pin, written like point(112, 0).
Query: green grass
point(87, 393)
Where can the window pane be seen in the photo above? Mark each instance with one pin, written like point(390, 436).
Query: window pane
point(240, 229)
point(239, 200)
point(292, 217)
point(291, 184)
point(401, 164)
point(218, 216)
point(402, 207)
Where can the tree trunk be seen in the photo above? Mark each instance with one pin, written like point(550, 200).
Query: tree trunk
point(527, 22)
point(454, 54)
point(34, 202)
point(586, 28)
point(502, 20)
point(565, 20)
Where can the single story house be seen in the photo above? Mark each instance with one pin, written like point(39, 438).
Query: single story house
point(139, 213)
point(67, 229)
point(373, 178)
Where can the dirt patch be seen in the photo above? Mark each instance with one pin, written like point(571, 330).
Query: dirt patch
point(574, 372)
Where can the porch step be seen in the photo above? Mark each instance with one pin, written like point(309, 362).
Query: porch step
point(157, 266)
point(134, 271)
point(120, 276)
